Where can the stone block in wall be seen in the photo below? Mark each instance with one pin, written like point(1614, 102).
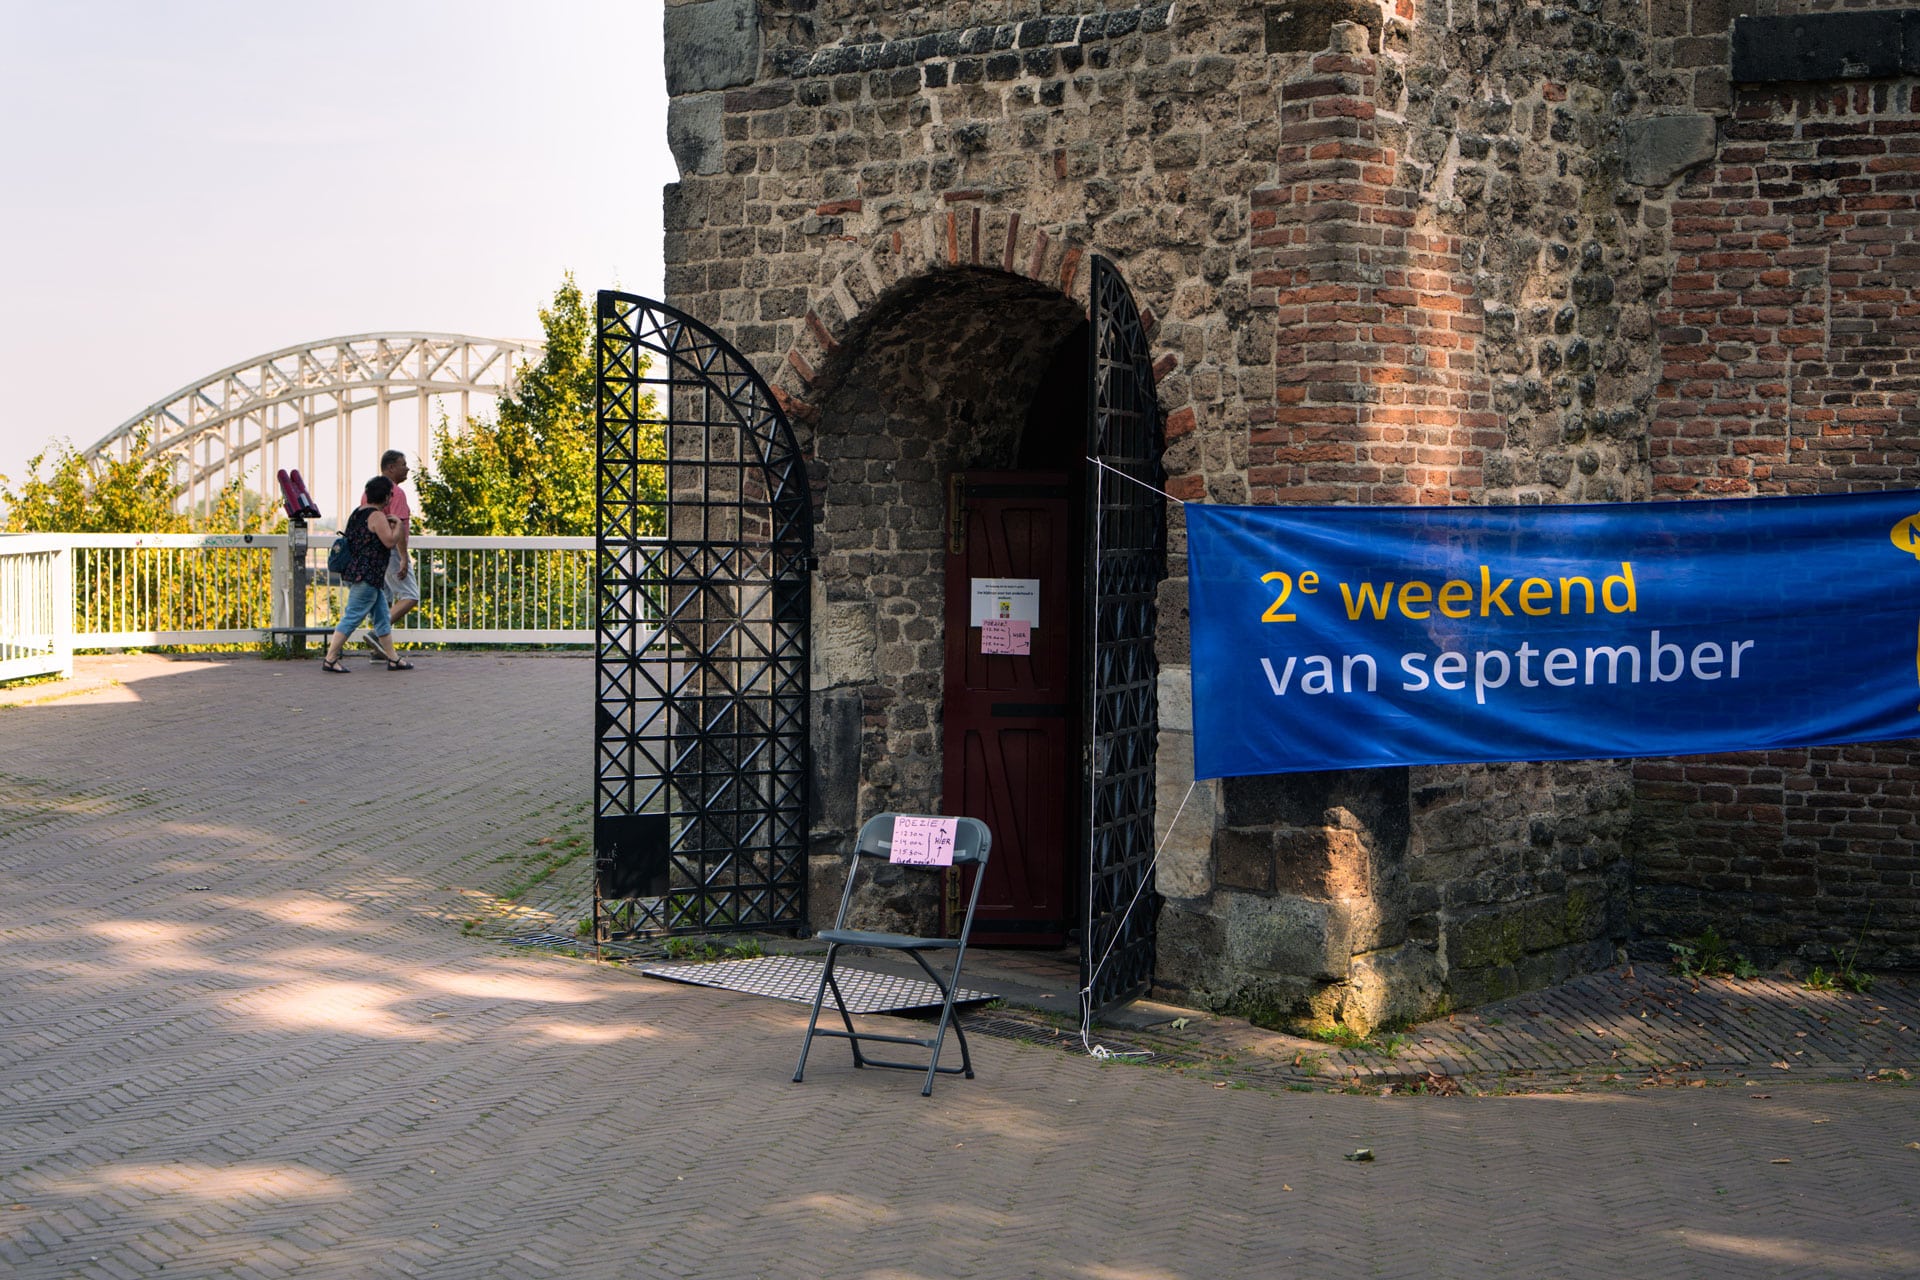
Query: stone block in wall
point(1591, 911)
point(1296, 937)
point(1484, 939)
point(1398, 985)
point(1321, 862)
point(1658, 149)
point(1243, 859)
point(1549, 968)
point(1306, 26)
point(712, 44)
point(694, 126)
point(1190, 948)
point(837, 717)
point(1187, 942)
point(1185, 821)
point(846, 642)
point(826, 877)
point(1543, 922)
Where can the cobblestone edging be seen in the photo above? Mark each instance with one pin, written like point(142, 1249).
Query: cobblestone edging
point(1634, 1027)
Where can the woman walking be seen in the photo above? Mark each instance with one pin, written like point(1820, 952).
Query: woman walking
point(371, 535)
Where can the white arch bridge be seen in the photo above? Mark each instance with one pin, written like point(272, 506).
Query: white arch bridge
point(299, 407)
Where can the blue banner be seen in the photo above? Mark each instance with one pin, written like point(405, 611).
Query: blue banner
point(1353, 637)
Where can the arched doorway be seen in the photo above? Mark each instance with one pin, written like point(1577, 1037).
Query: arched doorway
point(953, 423)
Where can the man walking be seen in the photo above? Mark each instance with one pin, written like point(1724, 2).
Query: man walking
point(403, 588)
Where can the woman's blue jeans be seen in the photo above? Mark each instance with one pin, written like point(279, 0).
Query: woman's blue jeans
point(365, 600)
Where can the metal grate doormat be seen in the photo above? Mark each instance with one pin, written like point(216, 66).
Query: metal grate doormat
point(797, 978)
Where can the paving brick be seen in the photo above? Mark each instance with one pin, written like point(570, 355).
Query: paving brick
point(219, 1050)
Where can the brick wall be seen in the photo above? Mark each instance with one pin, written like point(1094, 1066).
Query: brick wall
point(1381, 395)
point(1791, 330)
point(1791, 340)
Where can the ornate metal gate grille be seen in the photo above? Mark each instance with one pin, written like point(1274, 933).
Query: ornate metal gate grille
point(705, 539)
point(1126, 559)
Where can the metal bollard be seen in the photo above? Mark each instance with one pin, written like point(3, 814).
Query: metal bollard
point(297, 605)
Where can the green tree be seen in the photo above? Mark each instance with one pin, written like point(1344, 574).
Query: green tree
point(530, 469)
point(108, 496)
point(143, 588)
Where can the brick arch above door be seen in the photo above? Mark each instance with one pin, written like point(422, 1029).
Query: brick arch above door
point(965, 234)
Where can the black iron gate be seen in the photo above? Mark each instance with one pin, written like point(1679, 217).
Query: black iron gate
point(1126, 558)
point(701, 593)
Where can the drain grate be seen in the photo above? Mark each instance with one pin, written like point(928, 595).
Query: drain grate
point(586, 946)
point(550, 941)
point(796, 978)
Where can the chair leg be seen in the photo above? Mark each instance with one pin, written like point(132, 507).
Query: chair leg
point(840, 1003)
point(947, 988)
point(959, 1030)
point(966, 1058)
point(825, 973)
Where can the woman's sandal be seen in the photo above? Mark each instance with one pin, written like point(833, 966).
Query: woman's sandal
point(333, 666)
point(399, 664)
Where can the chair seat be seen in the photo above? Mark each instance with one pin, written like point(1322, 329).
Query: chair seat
point(889, 941)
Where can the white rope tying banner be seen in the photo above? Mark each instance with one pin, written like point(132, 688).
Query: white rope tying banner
point(1086, 992)
point(1137, 480)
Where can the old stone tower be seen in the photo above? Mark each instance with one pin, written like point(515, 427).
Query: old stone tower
point(1383, 251)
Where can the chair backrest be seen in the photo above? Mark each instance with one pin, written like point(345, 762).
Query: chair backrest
point(971, 839)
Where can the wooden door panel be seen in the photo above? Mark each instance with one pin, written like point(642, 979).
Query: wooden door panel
point(1008, 778)
point(1008, 722)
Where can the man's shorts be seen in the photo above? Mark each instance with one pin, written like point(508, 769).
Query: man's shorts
point(399, 588)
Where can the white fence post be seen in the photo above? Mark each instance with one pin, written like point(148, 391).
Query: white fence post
point(280, 610)
point(36, 605)
point(61, 591)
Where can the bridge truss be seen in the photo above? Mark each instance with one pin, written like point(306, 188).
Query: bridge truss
point(299, 407)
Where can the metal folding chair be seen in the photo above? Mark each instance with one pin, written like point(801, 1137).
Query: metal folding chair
point(971, 842)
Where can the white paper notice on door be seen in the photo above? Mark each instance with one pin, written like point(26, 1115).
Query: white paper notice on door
point(1014, 599)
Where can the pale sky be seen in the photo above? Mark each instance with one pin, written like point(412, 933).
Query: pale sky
point(188, 183)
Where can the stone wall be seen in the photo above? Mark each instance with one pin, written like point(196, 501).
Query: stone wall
point(1389, 252)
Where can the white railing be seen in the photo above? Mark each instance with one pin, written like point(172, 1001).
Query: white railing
point(59, 592)
point(36, 633)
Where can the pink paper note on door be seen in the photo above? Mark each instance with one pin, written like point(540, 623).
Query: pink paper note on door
point(1006, 635)
point(924, 842)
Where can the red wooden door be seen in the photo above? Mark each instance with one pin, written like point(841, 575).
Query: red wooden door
point(1009, 728)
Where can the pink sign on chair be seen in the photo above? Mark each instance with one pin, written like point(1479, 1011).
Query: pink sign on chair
point(923, 842)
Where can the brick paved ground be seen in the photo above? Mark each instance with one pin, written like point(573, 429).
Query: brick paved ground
point(244, 1035)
